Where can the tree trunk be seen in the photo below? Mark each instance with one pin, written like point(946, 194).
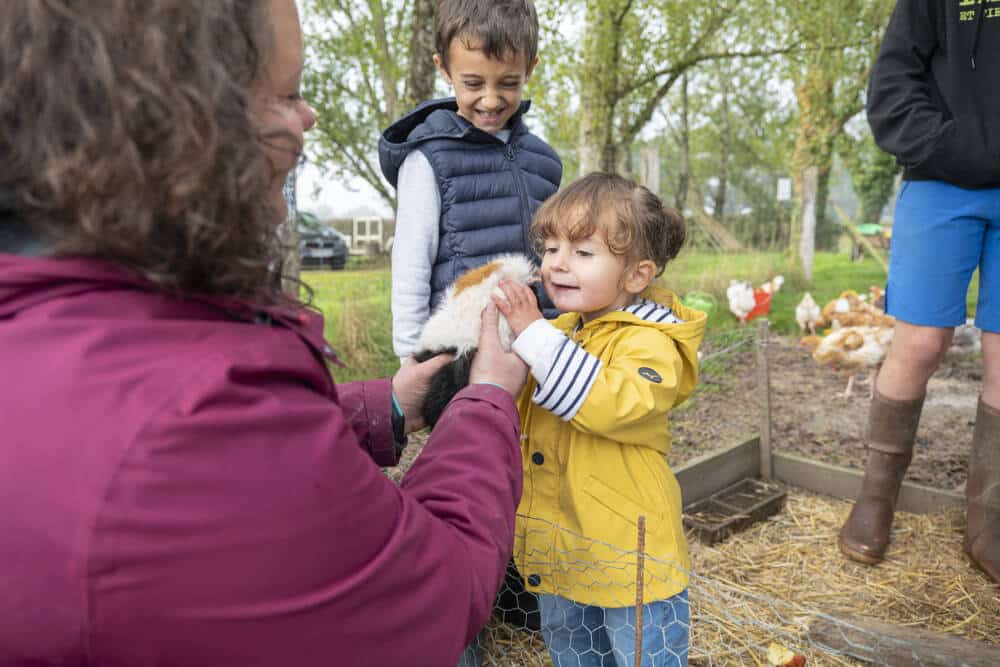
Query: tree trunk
point(816, 131)
point(421, 73)
point(598, 81)
point(388, 80)
point(822, 198)
point(725, 141)
point(650, 169)
point(683, 182)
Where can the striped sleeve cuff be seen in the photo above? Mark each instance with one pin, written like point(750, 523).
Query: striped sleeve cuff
point(569, 381)
point(538, 346)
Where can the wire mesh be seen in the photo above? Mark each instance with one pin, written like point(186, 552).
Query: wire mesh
point(725, 624)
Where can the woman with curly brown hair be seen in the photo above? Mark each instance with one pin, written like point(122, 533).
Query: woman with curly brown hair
point(181, 481)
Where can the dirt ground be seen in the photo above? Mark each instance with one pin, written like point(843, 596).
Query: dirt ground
point(811, 418)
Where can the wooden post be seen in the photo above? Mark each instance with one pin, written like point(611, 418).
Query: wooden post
point(289, 233)
point(807, 244)
point(639, 566)
point(764, 391)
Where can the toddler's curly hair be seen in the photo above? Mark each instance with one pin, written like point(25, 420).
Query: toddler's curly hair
point(634, 221)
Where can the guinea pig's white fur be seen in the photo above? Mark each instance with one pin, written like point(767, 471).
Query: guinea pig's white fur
point(456, 322)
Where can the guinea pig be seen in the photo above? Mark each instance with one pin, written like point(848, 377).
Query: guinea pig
point(455, 325)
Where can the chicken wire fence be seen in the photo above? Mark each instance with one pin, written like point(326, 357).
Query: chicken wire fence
point(726, 625)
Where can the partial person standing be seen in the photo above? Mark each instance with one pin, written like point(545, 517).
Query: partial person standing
point(181, 480)
point(605, 375)
point(468, 173)
point(933, 102)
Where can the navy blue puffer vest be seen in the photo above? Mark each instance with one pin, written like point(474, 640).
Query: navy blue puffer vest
point(489, 190)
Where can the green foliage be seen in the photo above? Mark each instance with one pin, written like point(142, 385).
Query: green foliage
point(354, 78)
point(356, 304)
point(356, 307)
point(605, 82)
point(873, 175)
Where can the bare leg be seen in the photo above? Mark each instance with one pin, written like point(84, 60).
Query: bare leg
point(914, 355)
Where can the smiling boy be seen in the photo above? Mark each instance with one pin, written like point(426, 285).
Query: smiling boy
point(467, 172)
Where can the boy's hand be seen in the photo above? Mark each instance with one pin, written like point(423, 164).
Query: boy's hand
point(520, 307)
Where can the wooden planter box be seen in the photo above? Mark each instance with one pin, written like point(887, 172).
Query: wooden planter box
point(733, 509)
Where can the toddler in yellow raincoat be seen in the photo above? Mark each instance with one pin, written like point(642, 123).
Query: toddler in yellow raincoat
point(594, 425)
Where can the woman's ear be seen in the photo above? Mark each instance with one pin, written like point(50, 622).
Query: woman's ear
point(639, 276)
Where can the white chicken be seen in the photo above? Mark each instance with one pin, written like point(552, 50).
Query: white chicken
point(741, 299)
point(967, 341)
point(853, 348)
point(807, 313)
point(773, 285)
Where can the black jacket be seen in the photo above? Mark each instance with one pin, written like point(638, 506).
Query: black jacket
point(934, 94)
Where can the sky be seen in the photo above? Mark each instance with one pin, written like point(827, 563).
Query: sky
point(337, 199)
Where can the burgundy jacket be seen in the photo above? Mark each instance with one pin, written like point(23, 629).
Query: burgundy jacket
point(181, 484)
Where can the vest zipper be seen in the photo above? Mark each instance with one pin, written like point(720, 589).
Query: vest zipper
point(522, 196)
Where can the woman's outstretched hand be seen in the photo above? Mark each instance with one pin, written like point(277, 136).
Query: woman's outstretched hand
point(410, 383)
point(492, 364)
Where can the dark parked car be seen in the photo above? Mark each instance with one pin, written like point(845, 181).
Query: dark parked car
point(320, 246)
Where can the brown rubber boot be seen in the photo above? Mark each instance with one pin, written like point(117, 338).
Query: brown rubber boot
point(982, 493)
point(892, 429)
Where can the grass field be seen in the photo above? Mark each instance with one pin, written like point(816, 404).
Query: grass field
point(357, 308)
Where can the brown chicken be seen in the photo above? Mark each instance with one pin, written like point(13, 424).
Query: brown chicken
point(852, 310)
point(852, 348)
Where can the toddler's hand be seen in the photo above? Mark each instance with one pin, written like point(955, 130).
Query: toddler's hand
point(520, 307)
point(491, 364)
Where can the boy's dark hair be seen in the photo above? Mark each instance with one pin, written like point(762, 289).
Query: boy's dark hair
point(501, 26)
point(634, 221)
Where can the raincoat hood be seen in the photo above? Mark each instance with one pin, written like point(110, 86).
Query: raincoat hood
point(686, 335)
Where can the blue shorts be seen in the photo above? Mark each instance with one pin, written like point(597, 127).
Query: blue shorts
point(941, 233)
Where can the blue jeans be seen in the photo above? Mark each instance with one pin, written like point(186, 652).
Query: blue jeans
point(580, 635)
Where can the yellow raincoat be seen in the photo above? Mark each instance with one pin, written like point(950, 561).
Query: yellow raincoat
point(587, 481)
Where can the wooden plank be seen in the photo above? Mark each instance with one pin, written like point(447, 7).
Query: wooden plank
point(845, 483)
point(701, 477)
point(886, 644)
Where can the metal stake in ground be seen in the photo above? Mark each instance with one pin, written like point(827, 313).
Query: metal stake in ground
point(639, 564)
point(764, 391)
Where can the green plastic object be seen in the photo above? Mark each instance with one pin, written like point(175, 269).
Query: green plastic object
point(869, 229)
point(702, 301)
